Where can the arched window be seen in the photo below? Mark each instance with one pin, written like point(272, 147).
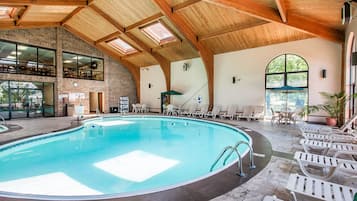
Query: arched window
point(286, 83)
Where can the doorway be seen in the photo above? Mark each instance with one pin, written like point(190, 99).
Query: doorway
point(96, 102)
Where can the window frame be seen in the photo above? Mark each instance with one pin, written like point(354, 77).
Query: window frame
point(120, 50)
point(37, 48)
point(77, 69)
point(161, 42)
point(285, 73)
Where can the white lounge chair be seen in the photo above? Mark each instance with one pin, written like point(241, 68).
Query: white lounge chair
point(248, 112)
point(271, 198)
point(230, 113)
point(331, 137)
point(333, 164)
point(347, 127)
point(324, 147)
point(190, 111)
point(320, 189)
point(203, 110)
point(258, 112)
point(214, 113)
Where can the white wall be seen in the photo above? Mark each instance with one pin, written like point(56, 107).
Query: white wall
point(151, 96)
point(192, 83)
point(249, 66)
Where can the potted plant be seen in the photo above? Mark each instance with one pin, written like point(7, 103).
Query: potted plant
point(334, 106)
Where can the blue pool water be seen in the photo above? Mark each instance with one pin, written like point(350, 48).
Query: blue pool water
point(120, 155)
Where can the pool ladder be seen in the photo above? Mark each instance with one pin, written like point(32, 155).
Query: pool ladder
point(235, 149)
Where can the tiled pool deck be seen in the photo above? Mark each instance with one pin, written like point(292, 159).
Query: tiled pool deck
point(271, 180)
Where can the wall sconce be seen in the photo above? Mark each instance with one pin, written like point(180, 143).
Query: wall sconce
point(323, 73)
point(150, 85)
point(75, 84)
point(235, 79)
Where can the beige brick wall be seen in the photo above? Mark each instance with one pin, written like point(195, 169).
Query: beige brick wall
point(117, 79)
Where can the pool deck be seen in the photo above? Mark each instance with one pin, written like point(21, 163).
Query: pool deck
point(270, 181)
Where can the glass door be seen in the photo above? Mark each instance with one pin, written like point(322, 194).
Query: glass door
point(18, 103)
point(4, 99)
point(35, 98)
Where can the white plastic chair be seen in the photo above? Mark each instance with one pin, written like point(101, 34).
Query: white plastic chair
point(214, 113)
point(319, 189)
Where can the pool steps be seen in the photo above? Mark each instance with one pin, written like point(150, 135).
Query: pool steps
point(235, 149)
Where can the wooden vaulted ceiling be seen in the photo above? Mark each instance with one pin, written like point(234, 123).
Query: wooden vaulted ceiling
point(204, 27)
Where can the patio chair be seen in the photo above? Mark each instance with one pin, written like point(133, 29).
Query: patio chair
point(347, 127)
point(331, 137)
point(190, 111)
point(275, 117)
point(171, 110)
point(214, 112)
point(312, 146)
point(248, 112)
point(135, 109)
point(203, 110)
point(258, 112)
point(230, 112)
point(319, 189)
point(144, 108)
point(332, 164)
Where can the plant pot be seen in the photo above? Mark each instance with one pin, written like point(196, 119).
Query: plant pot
point(331, 121)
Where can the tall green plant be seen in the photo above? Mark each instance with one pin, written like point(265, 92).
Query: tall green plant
point(334, 105)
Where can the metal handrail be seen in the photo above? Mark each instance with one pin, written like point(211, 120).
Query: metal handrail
point(251, 156)
point(240, 165)
point(2, 119)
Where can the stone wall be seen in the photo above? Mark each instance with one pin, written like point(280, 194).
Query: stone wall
point(117, 79)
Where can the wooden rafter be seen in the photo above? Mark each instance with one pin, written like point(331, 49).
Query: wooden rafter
point(134, 70)
point(183, 5)
point(69, 16)
point(167, 45)
point(22, 15)
point(144, 21)
point(44, 2)
point(300, 23)
point(108, 37)
point(164, 63)
point(205, 53)
point(230, 30)
point(107, 17)
point(282, 9)
point(28, 25)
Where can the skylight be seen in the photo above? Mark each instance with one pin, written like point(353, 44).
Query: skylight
point(122, 46)
point(158, 32)
point(6, 12)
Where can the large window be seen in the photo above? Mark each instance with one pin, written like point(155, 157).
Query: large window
point(25, 59)
point(26, 99)
point(82, 67)
point(286, 83)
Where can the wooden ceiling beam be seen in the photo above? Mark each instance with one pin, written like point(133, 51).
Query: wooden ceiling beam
point(73, 13)
point(164, 63)
point(107, 17)
point(300, 23)
point(44, 2)
point(205, 53)
point(144, 21)
point(231, 29)
point(167, 45)
point(134, 70)
point(22, 15)
point(183, 5)
point(28, 25)
point(108, 37)
point(282, 9)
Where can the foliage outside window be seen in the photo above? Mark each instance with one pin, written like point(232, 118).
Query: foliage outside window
point(286, 70)
point(82, 67)
point(26, 59)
